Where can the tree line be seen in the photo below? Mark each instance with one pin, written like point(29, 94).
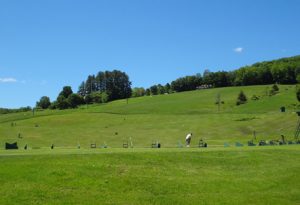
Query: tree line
point(101, 88)
point(21, 109)
point(281, 71)
point(112, 85)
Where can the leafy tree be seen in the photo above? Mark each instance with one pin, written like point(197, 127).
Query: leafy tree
point(242, 99)
point(44, 102)
point(138, 92)
point(74, 100)
point(104, 97)
point(148, 92)
point(96, 97)
point(154, 90)
point(88, 99)
point(67, 90)
point(160, 89)
point(168, 88)
point(62, 102)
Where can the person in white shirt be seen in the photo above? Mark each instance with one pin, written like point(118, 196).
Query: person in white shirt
point(188, 139)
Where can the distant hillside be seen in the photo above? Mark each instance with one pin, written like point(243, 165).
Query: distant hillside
point(166, 118)
point(7, 110)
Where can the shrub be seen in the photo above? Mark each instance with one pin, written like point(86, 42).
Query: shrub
point(242, 98)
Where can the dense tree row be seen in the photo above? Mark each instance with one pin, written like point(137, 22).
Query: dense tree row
point(114, 83)
point(111, 85)
point(282, 71)
point(105, 86)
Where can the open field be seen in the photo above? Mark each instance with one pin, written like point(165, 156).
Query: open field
point(249, 175)
point(166, 118)
point(170, 175)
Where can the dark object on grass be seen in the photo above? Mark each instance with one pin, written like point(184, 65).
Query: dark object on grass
point(11, 146)
point(282, 109)
point(104, 145)
point(273, 142)
point(238, 144)
point(251, 143)
point(202, 143)
point(125, 144)
point(52, 146)
point(155, 144)
point(262, 143)
point(25, 147)
point(282, 141)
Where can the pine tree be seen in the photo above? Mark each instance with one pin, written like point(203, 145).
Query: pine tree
point(242, 98)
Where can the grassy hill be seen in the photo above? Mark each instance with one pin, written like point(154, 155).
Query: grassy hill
point(216, 175)
point(166, 118)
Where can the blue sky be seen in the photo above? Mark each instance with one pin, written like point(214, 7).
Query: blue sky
point(47, 44)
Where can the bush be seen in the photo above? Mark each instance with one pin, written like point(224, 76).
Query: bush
point(274, 90)
point(242, 98)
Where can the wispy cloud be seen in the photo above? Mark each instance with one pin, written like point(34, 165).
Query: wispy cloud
point(8, 80)
point(238, 50)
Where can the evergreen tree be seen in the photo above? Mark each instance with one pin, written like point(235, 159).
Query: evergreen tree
point(242, 99)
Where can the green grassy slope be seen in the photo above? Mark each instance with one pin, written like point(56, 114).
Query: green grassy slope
point(234, 175)
point(166, 118)
point(249, 175)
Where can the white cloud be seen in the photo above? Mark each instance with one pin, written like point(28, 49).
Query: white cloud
point(8, 80)
point(238, 49)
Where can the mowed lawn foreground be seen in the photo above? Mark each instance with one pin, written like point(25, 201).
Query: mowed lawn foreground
point(248, 175)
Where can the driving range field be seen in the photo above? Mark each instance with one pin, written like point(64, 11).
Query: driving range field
point(248, 175)
point(74, 173)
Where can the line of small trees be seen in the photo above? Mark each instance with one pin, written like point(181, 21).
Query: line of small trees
point(21, 109)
